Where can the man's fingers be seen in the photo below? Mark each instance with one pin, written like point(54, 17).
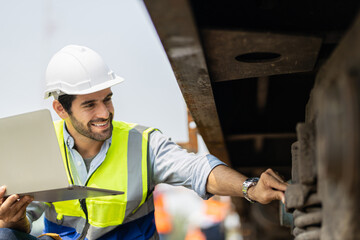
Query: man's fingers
point(22, 203)
point(270, 187)
point(14, 203)
point(274, 181)
point(5, 208)
point(9, 201)
point(13, 209)
point(2, 191)
point(272, 195)
point(275, 175)
point(20, 214)
point(278, 185)
point(278, 195)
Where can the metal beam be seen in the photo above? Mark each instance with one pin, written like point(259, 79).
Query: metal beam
point(237, 137)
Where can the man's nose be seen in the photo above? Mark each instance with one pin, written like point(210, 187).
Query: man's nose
point(102, 111)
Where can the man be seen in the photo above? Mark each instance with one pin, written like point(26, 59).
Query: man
point(116, 155)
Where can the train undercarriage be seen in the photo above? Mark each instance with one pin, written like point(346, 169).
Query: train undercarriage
point(275, 84)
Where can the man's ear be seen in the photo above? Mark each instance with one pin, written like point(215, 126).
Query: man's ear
point(59, 109)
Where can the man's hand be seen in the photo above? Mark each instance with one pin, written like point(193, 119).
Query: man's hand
point(225, 181)
point(13, 211)
point(270, 187)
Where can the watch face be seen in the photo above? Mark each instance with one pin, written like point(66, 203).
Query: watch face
point(255, 179)
point(252, 180)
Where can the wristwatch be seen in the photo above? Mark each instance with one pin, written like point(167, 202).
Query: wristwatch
point(246, 185)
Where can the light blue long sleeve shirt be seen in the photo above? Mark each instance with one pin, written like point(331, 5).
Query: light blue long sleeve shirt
point(169, 163)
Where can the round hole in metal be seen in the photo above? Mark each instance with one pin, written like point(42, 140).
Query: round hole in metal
point(258, 57)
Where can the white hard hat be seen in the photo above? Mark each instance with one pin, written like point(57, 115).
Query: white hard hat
point(77, 70)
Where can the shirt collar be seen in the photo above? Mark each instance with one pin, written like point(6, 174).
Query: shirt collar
point(70, 142)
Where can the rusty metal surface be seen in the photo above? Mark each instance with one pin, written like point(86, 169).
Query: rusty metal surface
point(337, 105)
point(296, 53)
point(335, 109)
point(175, 26)
point(296, 196)
point(301, 196)
point(307, 168)
point(304, 168)
point(303, 220)
point(295, 162)
point(328, 150)
point(307, 212)
point(309, 235)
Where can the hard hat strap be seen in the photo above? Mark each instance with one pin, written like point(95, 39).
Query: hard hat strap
point(57, 94)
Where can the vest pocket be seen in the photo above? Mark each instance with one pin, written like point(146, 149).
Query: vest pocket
point(105, 212)
point(59, 219)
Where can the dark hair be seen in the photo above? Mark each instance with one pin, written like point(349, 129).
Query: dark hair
point(66, 101)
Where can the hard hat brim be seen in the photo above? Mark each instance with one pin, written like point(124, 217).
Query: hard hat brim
point(92, 89)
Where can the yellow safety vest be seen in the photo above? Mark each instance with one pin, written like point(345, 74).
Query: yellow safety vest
point(124, 168)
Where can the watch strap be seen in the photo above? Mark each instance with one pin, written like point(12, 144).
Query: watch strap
point(250, 182)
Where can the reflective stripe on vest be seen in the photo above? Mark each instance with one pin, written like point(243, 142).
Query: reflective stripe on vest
point(124, 169)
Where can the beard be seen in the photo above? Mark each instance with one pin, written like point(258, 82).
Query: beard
point(87, 130)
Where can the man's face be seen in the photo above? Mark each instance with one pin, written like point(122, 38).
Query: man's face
point(92, 115)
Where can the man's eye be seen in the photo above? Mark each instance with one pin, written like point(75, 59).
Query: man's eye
point(89, 105)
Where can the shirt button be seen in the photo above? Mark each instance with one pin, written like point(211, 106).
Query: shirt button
point(79, 163)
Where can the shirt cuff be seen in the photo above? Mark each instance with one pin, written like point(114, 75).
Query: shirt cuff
point(213, 162)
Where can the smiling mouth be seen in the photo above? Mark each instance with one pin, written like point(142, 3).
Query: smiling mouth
point(99, 125)
point(102, 124)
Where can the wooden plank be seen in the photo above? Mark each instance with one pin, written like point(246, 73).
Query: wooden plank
point(176, 28)
point(235, 55)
